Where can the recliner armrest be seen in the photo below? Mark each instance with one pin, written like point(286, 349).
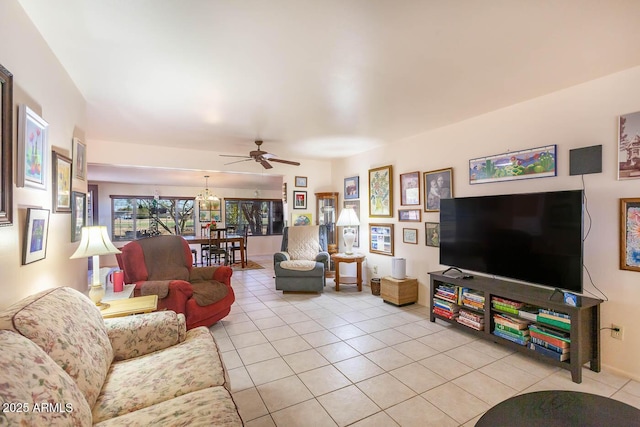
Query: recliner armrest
point(280, 256)
point(323, 257)
point(134, 336)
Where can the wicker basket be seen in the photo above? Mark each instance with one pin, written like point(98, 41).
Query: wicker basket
point(375, 286)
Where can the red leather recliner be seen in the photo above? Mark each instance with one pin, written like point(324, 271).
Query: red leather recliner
point(167, 260)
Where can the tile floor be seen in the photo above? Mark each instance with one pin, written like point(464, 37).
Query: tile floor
point(346, 358)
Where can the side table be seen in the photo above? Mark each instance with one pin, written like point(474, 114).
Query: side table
point(399, 291)
point(127, 292)
point(127, 306)
point(341, 257)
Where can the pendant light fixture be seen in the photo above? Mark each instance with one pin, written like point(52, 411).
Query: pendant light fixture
point(206, 194)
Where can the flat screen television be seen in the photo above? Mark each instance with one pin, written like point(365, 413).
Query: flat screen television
point(534, 237)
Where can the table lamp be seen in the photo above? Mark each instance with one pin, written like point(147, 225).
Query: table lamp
point(348, 218)
point(95, 242)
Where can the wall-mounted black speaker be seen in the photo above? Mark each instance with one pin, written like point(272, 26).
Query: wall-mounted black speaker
point(585, 160)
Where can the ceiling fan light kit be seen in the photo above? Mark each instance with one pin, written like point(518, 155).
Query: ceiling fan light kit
point(261, 157)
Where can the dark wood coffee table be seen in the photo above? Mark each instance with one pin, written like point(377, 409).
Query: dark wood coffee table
point(560, 408)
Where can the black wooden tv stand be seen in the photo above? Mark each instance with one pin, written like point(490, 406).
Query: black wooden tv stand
point(585, 319)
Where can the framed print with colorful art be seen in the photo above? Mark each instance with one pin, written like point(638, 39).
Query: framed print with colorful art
point(410, 189)
point(630, 234)
point(536, 162)
point(299, 200)
point(61, 166)
point(78, 214)
point(298, 219)
point(381, 239)
point(381, 192)
point(79, 159)
point(34, 246)
point(6, 147)
point(33, 149)
point(352, 188)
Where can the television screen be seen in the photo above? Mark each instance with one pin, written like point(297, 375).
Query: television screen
point(534, 237)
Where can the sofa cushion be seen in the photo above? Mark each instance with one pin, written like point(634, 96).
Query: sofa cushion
point(30, 377)
point(69, 328)
point(192, 365)
point(204, 408)
point(164, 258)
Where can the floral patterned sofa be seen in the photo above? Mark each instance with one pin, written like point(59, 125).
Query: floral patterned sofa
point(63, 365)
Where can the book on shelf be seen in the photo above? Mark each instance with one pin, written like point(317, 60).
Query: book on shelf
point(549, 353)
point(511, 321)
point(505, 307)
point(476, 317)
point(445, 313)
point(557, 323)
point(445, 305)
point(504, 301)
point(550, 346)
point(550, 338)
point(447, 296)
point(555, 332)
point(511, 337)
point(554, 313)
point(556, 318)
point(519, 332)
point(478, 326)
point(529, 313)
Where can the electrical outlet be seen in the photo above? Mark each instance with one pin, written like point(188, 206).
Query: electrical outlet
point(616, 332)
point(375, 269)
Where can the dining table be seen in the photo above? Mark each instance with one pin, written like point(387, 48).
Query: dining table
point(229, 238)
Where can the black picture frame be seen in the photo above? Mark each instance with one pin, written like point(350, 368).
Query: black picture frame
point(299, 200)
point(78, 214)
point(34, 246)
point(6, 147)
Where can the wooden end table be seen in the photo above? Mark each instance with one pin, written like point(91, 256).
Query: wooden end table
point(127, 306)
point(341, 257)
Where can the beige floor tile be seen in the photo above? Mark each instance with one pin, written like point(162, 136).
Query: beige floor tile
point(417, 412)
point(250, 404)
point(264, 421)
point(354, 316)
point(324, 380)
point(485, 388)
point(413, 330)
point(348, 405)
point(332, 321)
point(470, 357)
point(269, 322)
point(531, 366)
point(257, 353)
point(510, 375)
point(381, 419)
point(290, 345)
point(279, 333)
point(385, 390)
point(320, 338)
point(415, 350)
point(240, 379)
point(307, 327)
point(388, 358)
point(390, 336)
point(248, 339)
point(628, 398)
point(371, 325)
point(366, 343)
point(295, 317)
point(265, 313)
point(445, 366)
point(347, 331)
point(269, 370)
point(358, 368)
point(305, 414)
point(231, 359)
point(418, 377)
point(466, 407)
point(337, 352)
point(305, 360)
point(282, 393)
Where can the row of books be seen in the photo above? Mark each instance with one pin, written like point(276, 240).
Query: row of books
point(554, 318)
point(550, 342)
point(447, 292)
point(471, 319)
point(511, 328)
point(472, 299)
point(445, 309)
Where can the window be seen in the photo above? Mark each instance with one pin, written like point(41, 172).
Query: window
point(264, 217)
point(135, 217)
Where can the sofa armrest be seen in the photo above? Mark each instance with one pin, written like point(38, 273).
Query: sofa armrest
point(323, 257)
point(134, 336)
point(280, 256)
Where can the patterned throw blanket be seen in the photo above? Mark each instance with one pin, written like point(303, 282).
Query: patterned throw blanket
point(304, 242)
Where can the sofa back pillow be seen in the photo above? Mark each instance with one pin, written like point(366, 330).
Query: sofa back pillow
point(35, 390)
point(69, 328)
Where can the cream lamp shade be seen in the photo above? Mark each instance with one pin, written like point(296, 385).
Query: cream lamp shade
point(95, 241)
point(348, 218)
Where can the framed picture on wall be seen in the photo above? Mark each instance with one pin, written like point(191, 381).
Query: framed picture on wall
point(438, 185)
point(61, 166)
point(432, 233)
point(409, 215)
point(630, 234)
point(352, 188)
point(381, 239)
point(299, 200)
point(629, 146)
point(301, 181)
point(381, 192)
point(34, 247)
point(410, 235)
point(78, 214)
point(79, 159)
point(6, 147)
point(410, 189)
point(33, 149)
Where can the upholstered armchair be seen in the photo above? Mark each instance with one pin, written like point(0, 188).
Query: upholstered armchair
point(303, 260)
point(162, 265)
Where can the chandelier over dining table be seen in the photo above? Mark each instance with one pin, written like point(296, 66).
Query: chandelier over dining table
point(206, 194)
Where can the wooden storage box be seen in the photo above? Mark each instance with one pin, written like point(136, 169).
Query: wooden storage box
point(399, 291)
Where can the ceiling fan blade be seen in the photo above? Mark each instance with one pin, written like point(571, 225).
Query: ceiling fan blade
point(286, 162)
point(265, 164)
point(239, 161)
point(230, 155)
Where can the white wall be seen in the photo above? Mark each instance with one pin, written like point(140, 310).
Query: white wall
point(42, 84)
point(580, 116)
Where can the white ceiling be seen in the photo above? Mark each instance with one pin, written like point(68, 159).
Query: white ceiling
point(322, 78)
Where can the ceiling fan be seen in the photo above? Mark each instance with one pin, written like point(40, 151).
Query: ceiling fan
point(261, 157)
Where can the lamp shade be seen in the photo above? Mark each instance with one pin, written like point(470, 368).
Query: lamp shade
point(94, 241)
point(348, 218)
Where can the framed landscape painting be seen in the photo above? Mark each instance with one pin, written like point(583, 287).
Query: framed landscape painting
point(381, 192)
point(537, 162)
